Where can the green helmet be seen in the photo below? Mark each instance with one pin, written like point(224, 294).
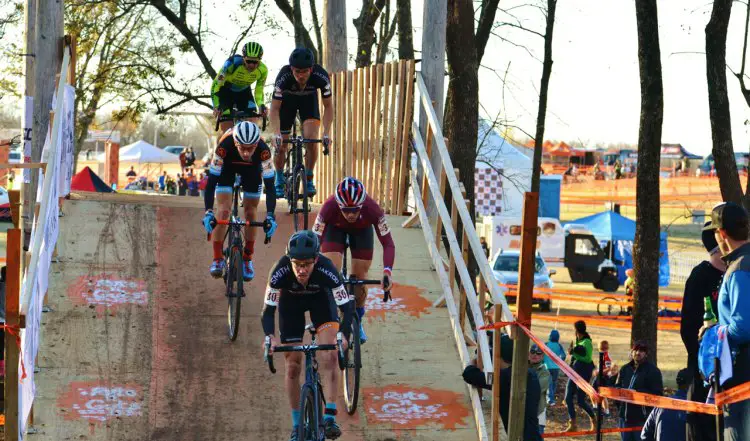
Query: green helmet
point(252, 50)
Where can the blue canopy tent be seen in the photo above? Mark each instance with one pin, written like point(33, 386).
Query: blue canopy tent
point(610, 226)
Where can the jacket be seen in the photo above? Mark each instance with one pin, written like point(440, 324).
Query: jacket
point(556, 347)
point(644, 378)
point(734, 311)
point(581, 353)
point(543, 375)
point(666, 424)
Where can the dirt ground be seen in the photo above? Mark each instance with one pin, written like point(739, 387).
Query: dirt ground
point(136, 347)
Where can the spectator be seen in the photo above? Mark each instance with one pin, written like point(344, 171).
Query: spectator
point(181, 185)
point(642, 376)
point(183, 160)
point(580, 350)
point(704, 281)
point(485, 248)
point(618, 169)
point(202, 183)
point(607, 373)
point(667, 424)
point(163, 182)
point(189, 157)
point(554, 370)
point(729, 223)
point(131, 174)
point(475, 377)
point(630, 288)
point(192, 185)
point(536, 362)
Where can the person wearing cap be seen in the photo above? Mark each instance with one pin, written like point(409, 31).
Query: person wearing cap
point(475, 377)
point(729, 222)
point(536, 362)
point(639, 375)
point(704, 282)
point(668, 424)
point(581, 351)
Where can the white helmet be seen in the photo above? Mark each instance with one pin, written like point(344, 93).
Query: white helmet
point(246, 132)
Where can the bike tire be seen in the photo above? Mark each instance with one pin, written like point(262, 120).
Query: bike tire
point(234, 293)
point(305, 198)
point(605, 309)
point(309, 424)
point(351, 375)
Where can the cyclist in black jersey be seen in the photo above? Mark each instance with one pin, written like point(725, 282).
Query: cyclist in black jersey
point(304, 280)
point(239, 151)
point(296, 90)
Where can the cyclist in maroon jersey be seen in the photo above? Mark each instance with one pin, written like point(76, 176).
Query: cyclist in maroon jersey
point(351, 214)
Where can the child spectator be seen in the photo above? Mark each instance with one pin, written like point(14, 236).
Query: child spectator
point(536, 362)
point(554, 370)
point(607, 373)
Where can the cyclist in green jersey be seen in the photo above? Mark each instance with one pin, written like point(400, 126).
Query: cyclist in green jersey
point(231, 87)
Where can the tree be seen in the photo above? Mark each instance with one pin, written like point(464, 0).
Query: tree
point(10, 14)
point(365, 25)
point(301, 36)
point(405, 32)
point(386, 33)
point(646, 246)
point(334, 27)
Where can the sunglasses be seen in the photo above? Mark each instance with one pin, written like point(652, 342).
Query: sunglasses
point(536, 352)
point(351, 210)
point(249, 61)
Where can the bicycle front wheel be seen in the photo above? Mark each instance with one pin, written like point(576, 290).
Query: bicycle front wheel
point(309, 426)
point(234, 292)
point(352, 371)
point(300, 194)
point(608, 308)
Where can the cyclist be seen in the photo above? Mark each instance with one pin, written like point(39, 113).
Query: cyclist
point(303, 280)
point(296, 89)
point(351, 214)
point(239, 151)
point(231, 87)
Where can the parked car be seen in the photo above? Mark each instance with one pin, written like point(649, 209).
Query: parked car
point(505, 269)
point(174, 149)
point(4, 199)
point(586, 261)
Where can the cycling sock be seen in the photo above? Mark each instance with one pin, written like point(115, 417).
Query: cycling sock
point(360, 312)
point(279, 176)
point(218, 250)
point(309, 175)
point(295, 417)
point(247, 253)
point(330, 412)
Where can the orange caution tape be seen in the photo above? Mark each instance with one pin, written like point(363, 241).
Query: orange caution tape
point(643, 399)
point(599, 301)
point(733, 395)
point(592, 432)
point(664, 324)
point(15, 331)
point(585, 293)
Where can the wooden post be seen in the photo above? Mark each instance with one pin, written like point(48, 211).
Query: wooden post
point(405, 150)
point(355, 123)
point(496, 361)
point(454, 223)
point(14, 197)
point(482, 301)
point(386, 135)
point(334, 33)
point(428, 146)
point(364, 173)
point(12, 319)
point(397, 140)
point(465, 257)
point(523, 302)
point(438, 224)
point(349, 150)
point(376, 147)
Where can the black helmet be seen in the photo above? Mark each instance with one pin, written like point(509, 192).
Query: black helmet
point(303, 244)
point(302, 58)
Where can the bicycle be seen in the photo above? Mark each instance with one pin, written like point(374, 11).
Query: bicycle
point(613, 306)
point(312, 398)
point(233, 256)
point(351, 377)
point(295, 178)
point(236, 116)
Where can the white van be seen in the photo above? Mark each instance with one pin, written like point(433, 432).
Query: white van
point(505, 233)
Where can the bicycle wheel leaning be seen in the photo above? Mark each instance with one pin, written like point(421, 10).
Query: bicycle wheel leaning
point(234, 292)
point(608, 308)
point(309, 426)
point(353, 366)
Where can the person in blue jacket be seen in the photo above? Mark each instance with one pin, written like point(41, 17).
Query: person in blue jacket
point(554, 370)
point(668, 424)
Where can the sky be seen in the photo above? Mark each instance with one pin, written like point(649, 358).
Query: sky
point(594, 94)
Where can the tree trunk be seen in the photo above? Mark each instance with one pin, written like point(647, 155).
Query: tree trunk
point(647, 217)
point(544, 87)
point(334, 29)
point(316, 25)
point(405, 32)
point(299, 26)
point(290, 12)
point(387, 32)
point(718, 102)
point(365, 25)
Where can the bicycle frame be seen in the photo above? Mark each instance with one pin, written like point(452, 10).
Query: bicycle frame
point(236, 116)
point(295, 176)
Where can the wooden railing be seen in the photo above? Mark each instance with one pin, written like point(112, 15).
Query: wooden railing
point(373, 110)
point(433, 188)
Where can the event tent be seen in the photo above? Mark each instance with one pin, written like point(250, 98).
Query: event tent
point(87, 180)
point(609, 226)
point(142, 152)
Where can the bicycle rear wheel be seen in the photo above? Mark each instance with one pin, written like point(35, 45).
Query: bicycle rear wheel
point(309, 427)
point(299, 193)
point(234, 292)
point(608, 309)
point(352, 371)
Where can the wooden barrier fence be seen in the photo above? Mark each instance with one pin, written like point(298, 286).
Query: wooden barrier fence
point(371, 127)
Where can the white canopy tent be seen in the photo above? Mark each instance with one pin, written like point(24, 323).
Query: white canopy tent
point(502, 174)
point(141, 152)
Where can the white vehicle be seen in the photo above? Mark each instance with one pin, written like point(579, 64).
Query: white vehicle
point(505, 233)
point(4, 196)
point(15, 157)
point(505, 266)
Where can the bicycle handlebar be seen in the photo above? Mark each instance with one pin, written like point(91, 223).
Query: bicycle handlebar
point(268, 355)
point(266, 224)
point(301, 140)
point(356, 282)
point(234, 115)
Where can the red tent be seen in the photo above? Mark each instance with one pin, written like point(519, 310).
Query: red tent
point(87, 180)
